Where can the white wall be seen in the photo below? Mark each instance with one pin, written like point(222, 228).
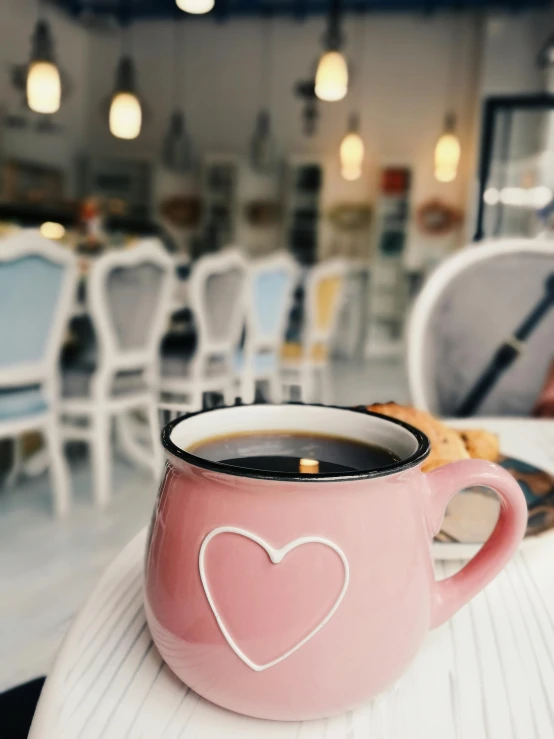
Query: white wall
point(17, 20)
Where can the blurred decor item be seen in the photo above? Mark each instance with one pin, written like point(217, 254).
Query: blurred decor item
point(125, 115)
point(262, 144)
point(28, 182)
point(436, 218)
point(303, 185)
point(91, 217)
point(545, 56)
point(263, 147)
point(331, 79)
point(43, 84)
point(544, 407)
point(305, 90)
point(447, 151)
point(177, 149)
point(182, 211)
point(262, 213)
point(352, 151)
point(350, 217)
point(177, 153)
point(195, 7)
point(124, 184)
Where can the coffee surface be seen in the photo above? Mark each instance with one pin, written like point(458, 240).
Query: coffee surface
point(282, 451)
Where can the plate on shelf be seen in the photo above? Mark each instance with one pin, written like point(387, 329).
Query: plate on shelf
point(472, 514)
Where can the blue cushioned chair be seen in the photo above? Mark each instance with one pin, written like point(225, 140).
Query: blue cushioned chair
point(37, 290)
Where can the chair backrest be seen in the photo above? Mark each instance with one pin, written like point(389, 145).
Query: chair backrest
point(271, 283)
point(130, 293)
point(325, 289)
point(37, 291)
point(473, 302)
point(217, 297)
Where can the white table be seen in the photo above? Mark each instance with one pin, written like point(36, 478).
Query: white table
point(487, 674)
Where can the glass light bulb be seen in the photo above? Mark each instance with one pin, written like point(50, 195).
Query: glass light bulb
point(44, 87)
point(447, 157)
point(197, 7)
point(351, 173)
point(125, 116)
point(331, 79)
point(351, 156)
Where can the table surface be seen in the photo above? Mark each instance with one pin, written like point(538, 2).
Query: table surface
point(486, 674)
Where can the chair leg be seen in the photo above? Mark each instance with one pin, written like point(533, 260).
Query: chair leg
point(326, 385)
point(59, 473)
point(101, 457)
point(17, 463)
point(127, 441)
point(275, 388)
point(155, 435)
point(229, 393)
point(306, 384)
point(247, 390)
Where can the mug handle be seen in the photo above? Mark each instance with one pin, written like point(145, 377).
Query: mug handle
point(443, 483)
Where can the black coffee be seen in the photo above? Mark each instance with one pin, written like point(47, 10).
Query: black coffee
point(282, 451)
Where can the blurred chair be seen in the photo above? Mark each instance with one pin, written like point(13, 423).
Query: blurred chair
point(305, 365)
point(271, 283)
point(217, 299)
point(38, 282)
point(129, 293)
point(469, 306)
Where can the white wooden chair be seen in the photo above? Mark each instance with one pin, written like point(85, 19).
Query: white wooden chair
point(305, 365)
point(271, 284)
point(468, 307)
point(129, 294)
point(37, 289)
point(217, 289)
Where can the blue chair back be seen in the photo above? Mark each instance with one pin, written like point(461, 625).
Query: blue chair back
point(29, 293)
point(34, 293)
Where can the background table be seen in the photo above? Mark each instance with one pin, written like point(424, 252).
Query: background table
point(486, 674)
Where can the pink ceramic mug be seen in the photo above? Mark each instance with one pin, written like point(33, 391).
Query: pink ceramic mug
point(298, 597)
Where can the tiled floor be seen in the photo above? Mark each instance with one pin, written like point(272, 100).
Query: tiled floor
point(48, 567)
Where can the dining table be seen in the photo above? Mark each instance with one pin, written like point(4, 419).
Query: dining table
point(488, 673)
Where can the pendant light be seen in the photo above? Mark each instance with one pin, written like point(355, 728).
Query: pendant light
point(263, 147)
point(196, 7)
point(125, 115)
point(331, 79)
point(43, 85)
point(352, 151)
point(177, 149)
point(352, 148)
point(448, 149)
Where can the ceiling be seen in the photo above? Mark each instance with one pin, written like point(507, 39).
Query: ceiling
point(127, 10)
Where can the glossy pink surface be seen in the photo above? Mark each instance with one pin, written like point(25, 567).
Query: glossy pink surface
point(384, 526)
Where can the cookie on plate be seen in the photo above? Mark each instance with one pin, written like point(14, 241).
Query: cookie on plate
point(446, 444)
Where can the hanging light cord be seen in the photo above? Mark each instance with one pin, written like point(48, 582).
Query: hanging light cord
point(333, 37)
point(177, 62)
point(360, 48)
point(266, 80)
point(450, 117)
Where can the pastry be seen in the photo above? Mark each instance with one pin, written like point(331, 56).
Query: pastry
point(446, 444)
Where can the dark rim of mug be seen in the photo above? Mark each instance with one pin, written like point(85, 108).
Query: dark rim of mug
point(422, 451)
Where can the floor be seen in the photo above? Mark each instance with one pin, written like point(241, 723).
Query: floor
point(48, 567)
